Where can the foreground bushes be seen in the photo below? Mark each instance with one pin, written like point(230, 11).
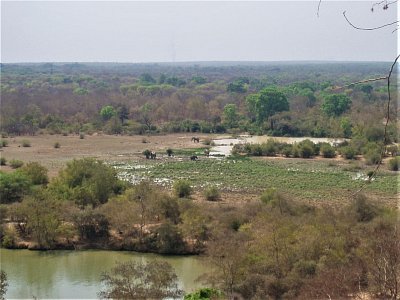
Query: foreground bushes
point(182, 188)
point(273, 248)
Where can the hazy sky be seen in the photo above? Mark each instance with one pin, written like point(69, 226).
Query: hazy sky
point(148, 31)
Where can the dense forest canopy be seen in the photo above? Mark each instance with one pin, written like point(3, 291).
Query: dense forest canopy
point(166, 97)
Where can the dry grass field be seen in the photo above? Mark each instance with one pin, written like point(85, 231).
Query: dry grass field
point(102, 147)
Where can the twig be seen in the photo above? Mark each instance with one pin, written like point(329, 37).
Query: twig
point(381, 2)
point(385, 138)
point(371, 28)
point(319, 4)
point(358, 82)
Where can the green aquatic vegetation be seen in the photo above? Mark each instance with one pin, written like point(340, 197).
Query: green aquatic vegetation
point(302, 178)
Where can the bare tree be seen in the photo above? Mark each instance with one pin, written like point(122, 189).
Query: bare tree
point(138, 280)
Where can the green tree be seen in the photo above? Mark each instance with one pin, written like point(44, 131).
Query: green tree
point(169, 239)
point(226, 254)
point(107, 112)
point(230, 115)
point(91, 224)
point(122, 213)
point(123, 113)
point(145, 115)
point(266, 104)
point(199, 79)
point(346, 126)
point(335, 105)
point(43, 219)
point(13, 186)
point(146, 79)
point(140, 280)
point(144, 195)
point(236, 87)
point(87, 181)
point(367, 89)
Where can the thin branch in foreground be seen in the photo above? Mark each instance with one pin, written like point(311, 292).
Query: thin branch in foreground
point(385, 6)
point(385, 137)
point(319, 5)
point(359, 82)
point(371, 28)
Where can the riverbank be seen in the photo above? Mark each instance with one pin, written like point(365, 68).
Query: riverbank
point(114, 242)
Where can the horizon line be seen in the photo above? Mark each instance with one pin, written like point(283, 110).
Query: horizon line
point(198, 61)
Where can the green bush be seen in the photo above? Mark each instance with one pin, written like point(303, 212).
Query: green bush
point(364, 209)
point(81, 136)
point(169, 152)
point(169, 239)
point(15, 163)
point(394, 164)
point(327, 150)
point(256, 150)
point(373, 156)
point(87, 182)
point(295, 150)
point(35, 172)
point(3, 143)
point(287, 150)
point(269, 148)
point(91, 225)
point(306, 149)
point(204, 294)
point(182, 188)
point(211, 194)
point(269, 195)
point(348, 152)
point(305, 268)
point(3, 161)
point(9, 238)
point(374, 134)
point(146, 153)
point(393, 150)
point(26, 143)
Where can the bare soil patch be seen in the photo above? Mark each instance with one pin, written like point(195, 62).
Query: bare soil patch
point(99, 146)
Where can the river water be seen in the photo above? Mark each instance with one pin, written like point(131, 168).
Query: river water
point(75, 274)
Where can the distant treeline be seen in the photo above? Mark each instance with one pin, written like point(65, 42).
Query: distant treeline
point(292, 99)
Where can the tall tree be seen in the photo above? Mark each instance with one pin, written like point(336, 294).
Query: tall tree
point(230, 115)
point(335, 105)
point(107, 112)
point(267, 103)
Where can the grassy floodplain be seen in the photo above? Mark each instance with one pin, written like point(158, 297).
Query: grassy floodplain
point(312, 179)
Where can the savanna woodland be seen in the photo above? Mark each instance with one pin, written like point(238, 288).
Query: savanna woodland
point(273, 220)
